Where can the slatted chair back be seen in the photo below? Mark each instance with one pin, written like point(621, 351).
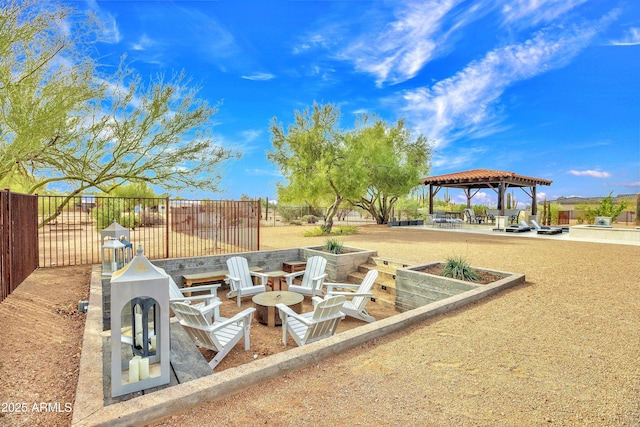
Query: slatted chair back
point(221, 336)
point(326, 317)
point(239, 268)
point(197, 326)
point(365, 287)
point(315, 268)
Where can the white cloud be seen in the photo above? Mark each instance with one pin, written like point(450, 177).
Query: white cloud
point(632, 38)
point(259, 77)
point(110, 32)
point(466, 104)
point(591, 173)
point(262, 172)
point(397, 53)
point(143, 43)
point(251, 135)
point(537, 11)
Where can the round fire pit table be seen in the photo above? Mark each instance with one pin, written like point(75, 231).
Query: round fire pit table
point(265, 303)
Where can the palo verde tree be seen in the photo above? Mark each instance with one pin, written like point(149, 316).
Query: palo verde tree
point(392, 164)
point(46, 77)
point(369, 166)
point(60, 128)
point(311, 155)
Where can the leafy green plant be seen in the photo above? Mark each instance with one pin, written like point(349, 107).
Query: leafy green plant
point(337, 231)
point(333, 245)
point(345, 230)
point(606, 208)
point(458, 268)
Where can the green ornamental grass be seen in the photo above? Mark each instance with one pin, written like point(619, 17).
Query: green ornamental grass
point(458, 268)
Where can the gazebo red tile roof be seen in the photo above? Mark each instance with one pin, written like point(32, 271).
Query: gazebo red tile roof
point(481, 178)
point(498, 181)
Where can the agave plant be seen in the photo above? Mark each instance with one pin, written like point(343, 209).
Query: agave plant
point(458, 268)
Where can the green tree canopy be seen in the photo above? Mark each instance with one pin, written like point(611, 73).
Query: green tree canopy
point(369, 166)
point(64, 124)
point(391, 161)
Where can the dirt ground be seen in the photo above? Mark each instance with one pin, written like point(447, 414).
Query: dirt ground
point(561, 349)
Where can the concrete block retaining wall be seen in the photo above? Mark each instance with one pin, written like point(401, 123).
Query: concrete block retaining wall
point(340, 265)
point(416, 289)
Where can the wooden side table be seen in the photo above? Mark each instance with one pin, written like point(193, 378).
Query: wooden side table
point(272, 276)
point(265, 304)
point(294, 266)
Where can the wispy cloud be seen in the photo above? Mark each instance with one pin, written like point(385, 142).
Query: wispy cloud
point(591, 173)
point(397, 53)
point(631, 38)
point(259, 76)
point(466, 104)
point(262, 172)
point(143, 43)
point(110, 32)
point(537, 11)
point(251, 135)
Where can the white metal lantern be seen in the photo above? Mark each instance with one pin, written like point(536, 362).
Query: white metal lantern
point(128, 249)
point(139, 327)
point(115, 231)
point(112, 256)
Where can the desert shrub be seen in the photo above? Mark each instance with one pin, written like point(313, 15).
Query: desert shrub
point(333, 245)
point(345, 230)
point(150, 219)
point(129, 220)
point(458, 268)
point(314, 232)
point(310, 219)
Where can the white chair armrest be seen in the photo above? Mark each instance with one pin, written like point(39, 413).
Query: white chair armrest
point(242, 316)
point(286, 311)
point(290, 276)
point(193, 298)
point(201, 288)
point(331, 285)
point(351, 294)
point(262, 276)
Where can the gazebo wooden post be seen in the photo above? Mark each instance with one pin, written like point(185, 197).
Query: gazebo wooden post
point(534, 199)
point(501, 198)
point(431, 194)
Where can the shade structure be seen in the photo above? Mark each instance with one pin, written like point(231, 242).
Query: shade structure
point(471, 182)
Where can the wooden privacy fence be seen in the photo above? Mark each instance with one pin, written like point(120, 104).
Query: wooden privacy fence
point(18, 239)
point(165, 228)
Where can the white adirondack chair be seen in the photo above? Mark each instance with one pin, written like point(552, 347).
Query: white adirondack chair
point(312, 277)
point(356, 301)
point(220, 337)
point(321, 323)
point(240, 281)
point(209, 300)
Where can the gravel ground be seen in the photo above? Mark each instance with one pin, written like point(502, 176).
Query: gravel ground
point(561, 349)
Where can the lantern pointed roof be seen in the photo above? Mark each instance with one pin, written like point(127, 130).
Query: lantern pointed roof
point(140, 268)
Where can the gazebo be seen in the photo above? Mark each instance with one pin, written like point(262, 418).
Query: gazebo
point(474, 180)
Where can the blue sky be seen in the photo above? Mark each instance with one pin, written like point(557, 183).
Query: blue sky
point(543, 88)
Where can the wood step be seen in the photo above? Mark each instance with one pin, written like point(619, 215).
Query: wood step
point(384, 286)
point(387, 264)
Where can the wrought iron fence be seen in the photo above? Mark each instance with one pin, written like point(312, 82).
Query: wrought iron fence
point(69, 232)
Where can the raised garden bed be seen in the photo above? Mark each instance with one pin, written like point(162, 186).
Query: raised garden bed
point(340, 265)
point(416, 286)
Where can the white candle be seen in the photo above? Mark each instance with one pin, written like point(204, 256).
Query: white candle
point(152, 346)
point(134, 370)
point(139, 340)
point(138, 323)
point(144, 369)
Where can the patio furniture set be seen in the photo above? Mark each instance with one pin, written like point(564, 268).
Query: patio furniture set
point(200, 316)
